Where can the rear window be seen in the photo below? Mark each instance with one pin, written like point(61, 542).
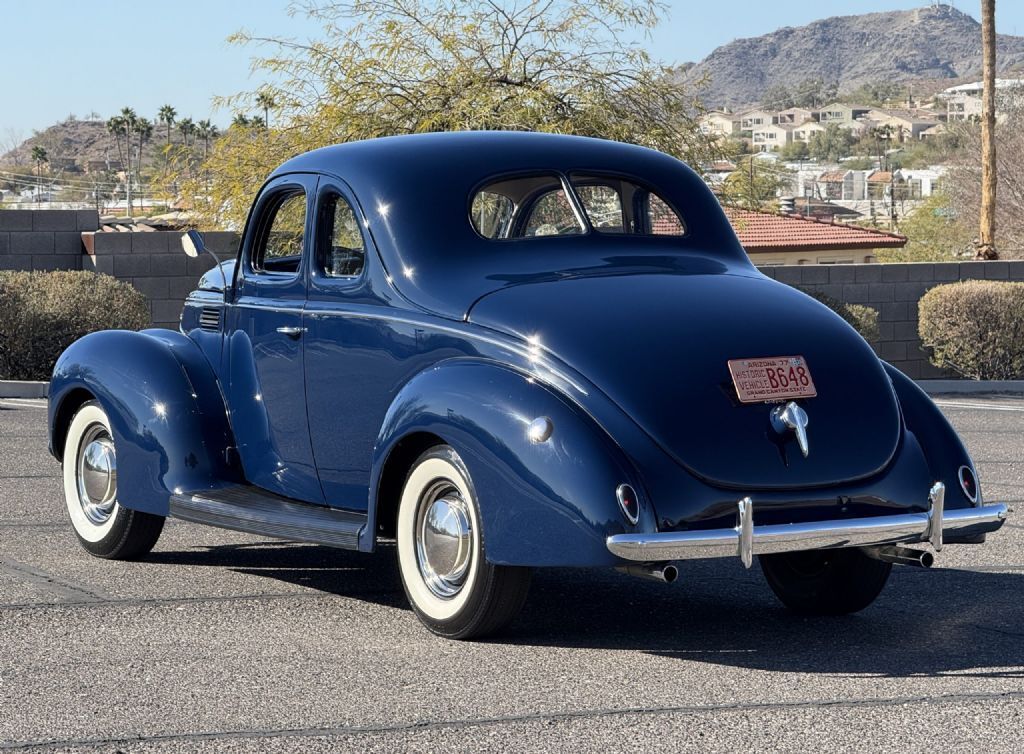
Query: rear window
point(525, 207)
point(538, 205)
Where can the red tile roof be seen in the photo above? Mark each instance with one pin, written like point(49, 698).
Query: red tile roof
point(769, 232)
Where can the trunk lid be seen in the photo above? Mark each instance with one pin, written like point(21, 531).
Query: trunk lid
point(658, 346)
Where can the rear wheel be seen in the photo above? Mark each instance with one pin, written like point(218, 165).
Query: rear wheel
point(102, 526)
point(452, 588)
point(825, 582)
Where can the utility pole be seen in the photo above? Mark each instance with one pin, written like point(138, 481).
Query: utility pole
point(986, 245)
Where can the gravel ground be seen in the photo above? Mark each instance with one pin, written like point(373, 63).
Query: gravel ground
point(226, 642)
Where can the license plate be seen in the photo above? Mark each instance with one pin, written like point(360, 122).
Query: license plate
point(776, 378)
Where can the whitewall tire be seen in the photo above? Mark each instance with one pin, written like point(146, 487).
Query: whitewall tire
point(452, 588)
point(102, 526)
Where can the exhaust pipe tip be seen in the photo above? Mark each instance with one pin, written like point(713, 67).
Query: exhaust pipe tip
point(666, 573)
point(900, 555)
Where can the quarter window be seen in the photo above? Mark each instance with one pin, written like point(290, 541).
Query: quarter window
point(618, 205)
point(342, 251)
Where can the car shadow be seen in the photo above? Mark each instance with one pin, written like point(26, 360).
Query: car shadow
point(928, 623)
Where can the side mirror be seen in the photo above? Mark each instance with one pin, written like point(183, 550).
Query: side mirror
point(193, 244)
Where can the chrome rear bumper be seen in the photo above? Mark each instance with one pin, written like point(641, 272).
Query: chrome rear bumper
point(747, 540)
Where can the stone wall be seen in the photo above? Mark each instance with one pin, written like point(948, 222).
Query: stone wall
point(155, 264)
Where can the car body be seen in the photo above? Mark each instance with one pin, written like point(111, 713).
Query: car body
point(568, 331)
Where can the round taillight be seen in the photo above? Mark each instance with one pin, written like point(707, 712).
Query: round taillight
point(968, 483)
point(628, 502)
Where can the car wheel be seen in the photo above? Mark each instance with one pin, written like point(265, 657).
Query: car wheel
point(102, 526)
point(825, 582)
point(452, 588)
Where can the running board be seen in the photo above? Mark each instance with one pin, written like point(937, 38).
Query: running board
point(256, 511)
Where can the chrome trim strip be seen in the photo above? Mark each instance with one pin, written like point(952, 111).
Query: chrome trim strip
point(816, 535)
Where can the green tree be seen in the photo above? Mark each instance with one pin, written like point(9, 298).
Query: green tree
point(166, 116)
point(933, 233)
point(877, 93)
point(832, 144)
point(794, 151)
point(385, 67)
point(756, 184)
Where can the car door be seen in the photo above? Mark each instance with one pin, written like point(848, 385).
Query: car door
point(351, 358)
point(267, 380)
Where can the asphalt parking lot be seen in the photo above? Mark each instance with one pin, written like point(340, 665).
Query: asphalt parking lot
point(228, 642)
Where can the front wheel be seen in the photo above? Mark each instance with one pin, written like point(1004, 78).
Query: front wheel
point(452, 588)
point(103, 527)
point(825, 582)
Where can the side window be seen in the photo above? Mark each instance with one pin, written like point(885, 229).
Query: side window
point(492, 214)
point(279, 248)
point(342, 252)
point(552, 215)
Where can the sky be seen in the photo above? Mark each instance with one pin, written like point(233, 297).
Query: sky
point(61, 57)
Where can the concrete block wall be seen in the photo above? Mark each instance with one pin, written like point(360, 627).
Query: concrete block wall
point(155, 264)
point(894, 290)
point(44, 239)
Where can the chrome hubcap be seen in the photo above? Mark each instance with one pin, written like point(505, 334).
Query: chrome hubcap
point(97, 475)
point(444, 539)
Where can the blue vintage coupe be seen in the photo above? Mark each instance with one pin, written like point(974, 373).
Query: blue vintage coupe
point(506, 351)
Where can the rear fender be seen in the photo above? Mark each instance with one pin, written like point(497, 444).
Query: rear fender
point(943, 450)
point(165, 408)
point(550, 503)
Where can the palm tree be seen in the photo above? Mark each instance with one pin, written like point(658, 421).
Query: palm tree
point(166, 115)
point(144, 129)
point(986, 247)
point(206, 131)
point(116, 126)
point(240, 121)
point(267, 102)
point(39, 156)
point(187, 128)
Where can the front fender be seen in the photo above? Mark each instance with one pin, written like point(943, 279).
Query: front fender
point(542, 504)
point(165, 408)
point(943, 450)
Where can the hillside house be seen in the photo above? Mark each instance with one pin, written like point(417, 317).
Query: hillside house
point(804, 131)
point(794, 116)
point(770, 137)
point(719, 123)
point(841, 114)
point(906, 125)
point(961, 107)
point(752, 119)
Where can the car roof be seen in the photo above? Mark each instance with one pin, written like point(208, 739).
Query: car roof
point(415, 192)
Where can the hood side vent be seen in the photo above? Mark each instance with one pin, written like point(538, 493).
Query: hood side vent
point(209, 319)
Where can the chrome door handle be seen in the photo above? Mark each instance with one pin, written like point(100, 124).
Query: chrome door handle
point(292, 332)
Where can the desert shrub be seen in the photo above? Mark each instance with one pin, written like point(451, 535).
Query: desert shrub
point(975, 328)
point(42, 313)
point(863, 319)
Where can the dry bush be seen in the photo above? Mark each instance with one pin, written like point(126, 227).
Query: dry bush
point(42, 313)
point(975, 328)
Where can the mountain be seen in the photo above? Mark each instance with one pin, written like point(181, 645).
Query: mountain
point(936, 42)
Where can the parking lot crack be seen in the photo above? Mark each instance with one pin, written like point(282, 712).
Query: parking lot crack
point(65, 589)
point(553, 716)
